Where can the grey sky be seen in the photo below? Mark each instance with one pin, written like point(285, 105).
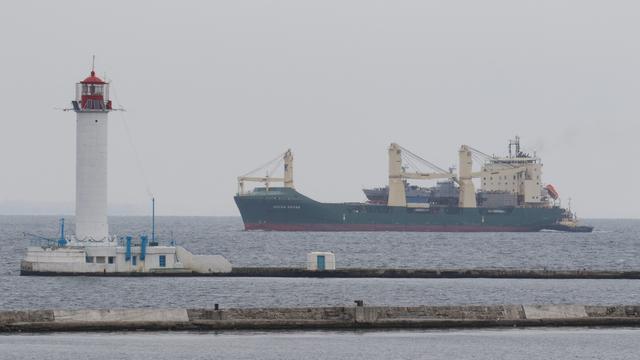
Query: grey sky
point(214, 89)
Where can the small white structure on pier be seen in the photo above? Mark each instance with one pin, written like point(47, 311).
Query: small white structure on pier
point(92, 249)
point(321, 261)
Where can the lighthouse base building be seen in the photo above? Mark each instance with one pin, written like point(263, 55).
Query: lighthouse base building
point(83, 259)
point(92, 249)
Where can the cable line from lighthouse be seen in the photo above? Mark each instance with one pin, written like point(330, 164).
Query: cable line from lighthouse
point(136, 155)
point(141, 170)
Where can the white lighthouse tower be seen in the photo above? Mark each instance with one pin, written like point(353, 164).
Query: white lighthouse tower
point(92, 106)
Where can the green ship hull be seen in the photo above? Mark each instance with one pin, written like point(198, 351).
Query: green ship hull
point(284, 209)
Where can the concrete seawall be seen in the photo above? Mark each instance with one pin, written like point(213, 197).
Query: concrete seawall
point(354, 317)
point(382, 273)
point(433, 273)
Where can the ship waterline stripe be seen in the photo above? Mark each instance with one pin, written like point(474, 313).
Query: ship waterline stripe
point(387, 227)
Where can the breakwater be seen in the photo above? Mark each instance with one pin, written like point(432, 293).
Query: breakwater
point(359, 316)
point(488, 273)
point(496, 273)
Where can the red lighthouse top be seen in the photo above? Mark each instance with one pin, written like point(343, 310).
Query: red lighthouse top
point(93, 79)
point(92, 94)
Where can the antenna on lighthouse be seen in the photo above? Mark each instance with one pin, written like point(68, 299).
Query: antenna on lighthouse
point(93, 64)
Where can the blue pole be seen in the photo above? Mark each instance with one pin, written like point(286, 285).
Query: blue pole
point(127, 254)
point(143, 246)
point(153, 219)
point(62, 241)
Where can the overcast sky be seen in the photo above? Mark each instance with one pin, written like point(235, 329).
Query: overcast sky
point(215, 88)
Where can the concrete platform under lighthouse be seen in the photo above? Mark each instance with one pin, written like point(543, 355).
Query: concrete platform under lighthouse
point(116, 258)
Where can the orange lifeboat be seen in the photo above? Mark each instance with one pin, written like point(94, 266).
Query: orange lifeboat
point(552, 191)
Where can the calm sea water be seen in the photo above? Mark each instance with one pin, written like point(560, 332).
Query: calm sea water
point(615, 245)
point(525, 344)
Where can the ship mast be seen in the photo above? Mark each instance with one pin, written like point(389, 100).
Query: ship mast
point(467, 197)
point(515, 143)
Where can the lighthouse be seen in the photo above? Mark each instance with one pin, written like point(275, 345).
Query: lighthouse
point(92, 107)
point(92, 250)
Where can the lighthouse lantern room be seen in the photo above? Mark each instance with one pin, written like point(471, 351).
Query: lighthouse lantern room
point(92, 93)
point(92, 106)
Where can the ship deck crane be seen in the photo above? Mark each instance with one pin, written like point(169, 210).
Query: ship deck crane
point(398, 173)
point(271, 166)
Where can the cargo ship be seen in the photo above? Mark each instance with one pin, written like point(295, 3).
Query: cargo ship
point(511, 198)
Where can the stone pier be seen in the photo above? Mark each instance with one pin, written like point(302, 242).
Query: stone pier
point(349, 317)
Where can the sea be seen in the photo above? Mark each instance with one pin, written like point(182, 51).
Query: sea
point(614, 245)
point(513, 344)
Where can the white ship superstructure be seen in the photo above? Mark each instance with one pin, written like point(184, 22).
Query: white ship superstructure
point(519, 174)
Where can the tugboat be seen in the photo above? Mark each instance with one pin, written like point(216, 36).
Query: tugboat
point(569, 223)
